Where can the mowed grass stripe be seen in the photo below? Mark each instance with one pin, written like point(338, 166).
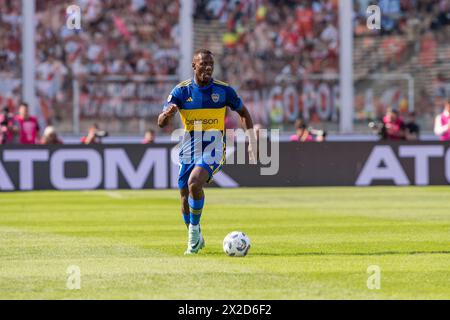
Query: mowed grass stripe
point(306, 243)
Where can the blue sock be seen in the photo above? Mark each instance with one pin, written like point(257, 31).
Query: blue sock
point(195, 207)
point(186, 218)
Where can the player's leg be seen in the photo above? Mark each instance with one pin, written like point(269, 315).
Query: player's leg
point(184, 193)
point(186, 212)
point(197, 179)
point(183, 177)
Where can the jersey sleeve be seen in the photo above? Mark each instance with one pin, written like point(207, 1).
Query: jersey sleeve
point(233, 100)
point(174, 98)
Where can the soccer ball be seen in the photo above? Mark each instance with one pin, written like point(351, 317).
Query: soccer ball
point(236, 244)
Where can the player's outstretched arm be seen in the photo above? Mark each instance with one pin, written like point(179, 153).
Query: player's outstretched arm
point(246, 119)
point(166, 115)
point(247, 122)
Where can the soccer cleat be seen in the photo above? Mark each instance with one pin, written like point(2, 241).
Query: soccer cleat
point(195, 241)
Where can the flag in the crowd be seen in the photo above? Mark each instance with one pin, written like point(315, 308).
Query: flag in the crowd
point(120, 25)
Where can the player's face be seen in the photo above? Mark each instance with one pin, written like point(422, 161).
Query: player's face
point(203, 67)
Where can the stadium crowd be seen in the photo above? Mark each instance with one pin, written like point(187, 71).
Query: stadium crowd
point(268, 41)
point(23, 128)
point(302, 34)
point(297, 37)
point(404, 16)
point(117, 37)
point(265, 41)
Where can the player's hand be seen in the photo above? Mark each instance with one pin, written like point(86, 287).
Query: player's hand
point(166, 115)
point(252, 154)
point(171, 110)
point(252, 148)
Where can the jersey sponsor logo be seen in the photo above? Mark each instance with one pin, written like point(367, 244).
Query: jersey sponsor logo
point(215, 97)
point(207, 118)
point(201, 121)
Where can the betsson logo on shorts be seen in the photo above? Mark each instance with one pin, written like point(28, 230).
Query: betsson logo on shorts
point(201, 121)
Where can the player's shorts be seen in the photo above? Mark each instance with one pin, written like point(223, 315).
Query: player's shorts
point(186, 169)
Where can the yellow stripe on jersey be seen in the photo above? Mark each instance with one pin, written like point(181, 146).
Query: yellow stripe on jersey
point(221, 82)
point(184, 83)
point(203, 119)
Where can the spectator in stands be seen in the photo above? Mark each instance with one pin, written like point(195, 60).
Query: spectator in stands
point(149, 137)
point(394, 125)
point(442, 123)
point(440, 87)
point(126, 37)
point(391, 14)
point(50, 137)
point(412, 129)
point(301, 132)
point(28, 125)
point(441, 15)
point(94, 135)
point(7, 128)
point(115, 34)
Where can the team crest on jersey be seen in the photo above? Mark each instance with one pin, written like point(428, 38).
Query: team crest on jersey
point(215, 97)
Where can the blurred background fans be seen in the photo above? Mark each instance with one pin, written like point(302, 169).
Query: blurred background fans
point(282, 56)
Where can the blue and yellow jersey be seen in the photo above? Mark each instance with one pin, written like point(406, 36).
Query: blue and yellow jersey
point(202, 111)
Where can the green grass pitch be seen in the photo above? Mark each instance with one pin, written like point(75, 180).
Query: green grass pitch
point(307, 243)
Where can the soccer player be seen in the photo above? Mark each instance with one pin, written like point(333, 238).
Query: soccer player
point(202, 102)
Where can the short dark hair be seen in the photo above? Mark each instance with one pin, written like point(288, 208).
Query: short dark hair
point(203, 51)
point(23, 104)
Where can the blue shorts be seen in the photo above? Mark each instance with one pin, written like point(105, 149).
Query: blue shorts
point(186, 169)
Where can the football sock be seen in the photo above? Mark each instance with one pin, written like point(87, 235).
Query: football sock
point(195, 207)
point(186, 218)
